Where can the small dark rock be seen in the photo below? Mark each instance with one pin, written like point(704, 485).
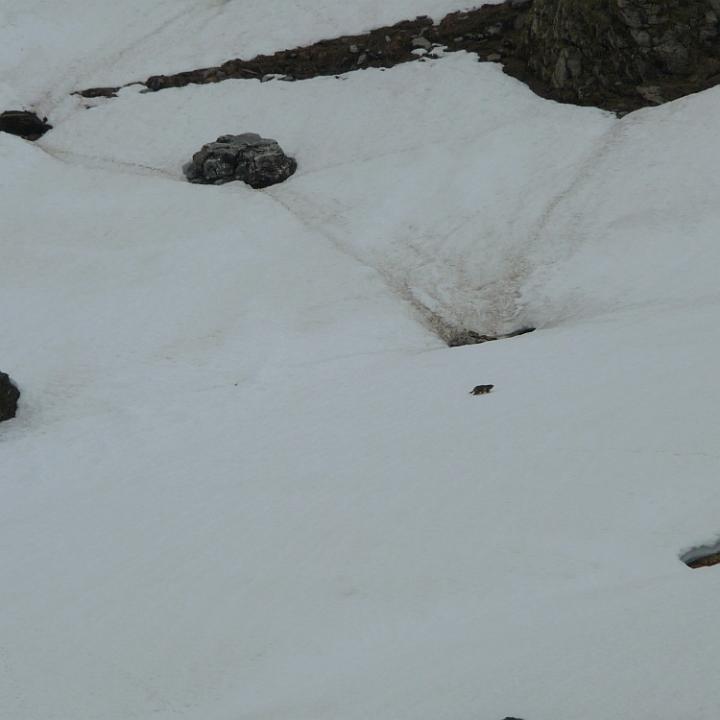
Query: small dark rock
point(705, 561)
point(257, 161)
point(23, 123)
point(702, 556)
point(9, 396)
point(106, 92)
point(153, 83)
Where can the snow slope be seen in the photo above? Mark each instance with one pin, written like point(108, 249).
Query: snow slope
point(248, 481)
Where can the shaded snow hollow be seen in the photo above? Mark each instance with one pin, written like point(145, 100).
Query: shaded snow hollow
point(248, 480)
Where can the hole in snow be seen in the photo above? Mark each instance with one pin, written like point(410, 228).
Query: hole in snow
point(453, 323)
point(702, 556)
point(459, 337)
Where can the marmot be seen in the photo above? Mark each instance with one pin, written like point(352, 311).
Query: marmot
point(481, 389)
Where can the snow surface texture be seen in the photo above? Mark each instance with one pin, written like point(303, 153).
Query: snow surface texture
point(248, 481)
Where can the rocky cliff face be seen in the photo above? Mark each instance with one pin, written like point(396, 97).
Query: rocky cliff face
point(601, 51)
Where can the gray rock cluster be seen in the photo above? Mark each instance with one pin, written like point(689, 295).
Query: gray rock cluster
point(257, 161)
point(585, 47)
point(9, 396)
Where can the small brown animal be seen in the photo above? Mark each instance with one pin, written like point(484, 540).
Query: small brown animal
point(481, 389)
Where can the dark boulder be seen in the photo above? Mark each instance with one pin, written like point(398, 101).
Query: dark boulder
point(257, 161)
point(9, 396)
point(23, 123)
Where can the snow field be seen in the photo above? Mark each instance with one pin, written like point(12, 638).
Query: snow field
point(247, 481)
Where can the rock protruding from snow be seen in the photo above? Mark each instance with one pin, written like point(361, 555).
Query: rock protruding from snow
point(23, 123)
point(9, 396)
point(257, 161)
point(489, 29)
point(702, 556)
point(595, 51)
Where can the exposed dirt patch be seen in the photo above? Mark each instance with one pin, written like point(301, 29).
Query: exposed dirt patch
point(453, 332)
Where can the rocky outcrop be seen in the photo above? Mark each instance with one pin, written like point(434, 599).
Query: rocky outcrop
point(489, 31)
point(23, 123)
point(9, 396)
point(702, 556)
point(622, 53)
point(615, 54)
point(257, 161)
point(705, 561)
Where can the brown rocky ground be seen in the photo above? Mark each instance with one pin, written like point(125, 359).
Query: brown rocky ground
point(620, 55)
